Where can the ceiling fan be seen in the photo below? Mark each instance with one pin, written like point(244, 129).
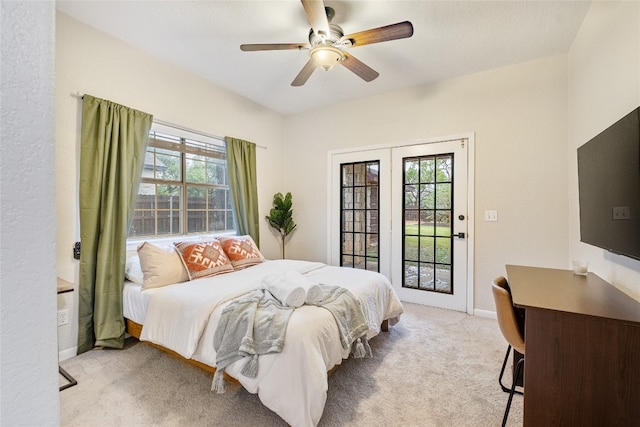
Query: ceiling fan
point(327, 43)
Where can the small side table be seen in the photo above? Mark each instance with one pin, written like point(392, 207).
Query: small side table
point(64, 287)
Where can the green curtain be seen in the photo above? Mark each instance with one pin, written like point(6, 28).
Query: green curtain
point(241, 163)
point(113, 144)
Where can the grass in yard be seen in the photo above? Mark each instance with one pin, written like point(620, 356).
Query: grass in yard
point(412, 230)
point(442, 244)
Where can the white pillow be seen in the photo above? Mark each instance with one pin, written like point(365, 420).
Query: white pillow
point(161, 265)
point(133, 271)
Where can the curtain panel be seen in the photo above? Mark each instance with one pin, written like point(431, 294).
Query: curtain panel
point(241, 164)
point(113, 144)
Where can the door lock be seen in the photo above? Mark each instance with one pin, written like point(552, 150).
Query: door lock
point(458, 235)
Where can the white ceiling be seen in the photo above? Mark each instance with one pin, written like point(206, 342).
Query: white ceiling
point(451, 38)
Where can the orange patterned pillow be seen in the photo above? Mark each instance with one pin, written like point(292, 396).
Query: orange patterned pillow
point(242, 251)
point(203, 259)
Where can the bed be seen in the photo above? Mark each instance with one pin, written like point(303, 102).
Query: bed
point(182, 317)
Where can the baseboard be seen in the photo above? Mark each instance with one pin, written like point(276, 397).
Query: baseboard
point(485, 313)
point(67, 354)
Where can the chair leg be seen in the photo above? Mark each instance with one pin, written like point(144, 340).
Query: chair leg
point(71, 381)
point(512, 391)
point(504, 365)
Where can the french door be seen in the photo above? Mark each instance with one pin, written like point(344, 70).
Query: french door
point(404, 211)
point(360, 230)
point(430, 236)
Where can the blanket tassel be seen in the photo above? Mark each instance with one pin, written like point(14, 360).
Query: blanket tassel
point(367, 348)
point(251, 367)
point(218, 384)
point(358, 349)
point(361, 348)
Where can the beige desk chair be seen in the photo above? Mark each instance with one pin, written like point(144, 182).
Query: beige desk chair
point(511, 331)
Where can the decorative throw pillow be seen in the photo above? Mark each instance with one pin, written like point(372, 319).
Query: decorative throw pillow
point(133, 270)
point(204, 259)
point(161, 265)
point(242, 251)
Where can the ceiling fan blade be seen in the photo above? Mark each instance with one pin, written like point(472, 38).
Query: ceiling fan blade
point(361, 69)
point(304, 74)
point(401, 30)
point(273, 46)
point(317, 16)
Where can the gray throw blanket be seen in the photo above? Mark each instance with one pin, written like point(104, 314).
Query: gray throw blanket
point(348, 315)
point(256, 324)
point(249, 326)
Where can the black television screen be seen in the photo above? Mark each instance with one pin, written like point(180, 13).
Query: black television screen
point(609, 188)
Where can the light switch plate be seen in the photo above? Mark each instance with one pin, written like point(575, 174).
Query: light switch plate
point(490, 215)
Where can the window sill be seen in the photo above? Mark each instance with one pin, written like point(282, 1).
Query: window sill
point(132, 244)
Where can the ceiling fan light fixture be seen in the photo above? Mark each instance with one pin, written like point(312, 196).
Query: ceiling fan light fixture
point(326, 56)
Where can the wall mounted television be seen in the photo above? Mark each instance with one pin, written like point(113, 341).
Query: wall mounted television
point(609, 188)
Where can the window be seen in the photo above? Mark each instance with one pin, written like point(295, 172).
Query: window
point(184, 187)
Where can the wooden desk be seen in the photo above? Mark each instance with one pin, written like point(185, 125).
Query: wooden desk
point(582, 349)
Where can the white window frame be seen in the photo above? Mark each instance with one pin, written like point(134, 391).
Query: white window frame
point(194, 136)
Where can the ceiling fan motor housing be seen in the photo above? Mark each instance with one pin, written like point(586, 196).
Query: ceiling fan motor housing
point(334, 36)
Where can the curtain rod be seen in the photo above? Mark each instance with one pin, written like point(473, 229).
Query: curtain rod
point(171, 125)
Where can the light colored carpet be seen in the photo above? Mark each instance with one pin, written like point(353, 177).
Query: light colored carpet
point(434, 368)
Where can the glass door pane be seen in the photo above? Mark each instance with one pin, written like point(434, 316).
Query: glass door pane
point(427, 212)
point(359, 230)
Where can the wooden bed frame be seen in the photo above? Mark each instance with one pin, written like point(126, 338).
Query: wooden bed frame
point(135, 329)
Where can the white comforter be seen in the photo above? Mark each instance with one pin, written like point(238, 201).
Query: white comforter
point(183, 317)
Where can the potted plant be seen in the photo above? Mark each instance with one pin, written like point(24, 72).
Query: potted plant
point(281, 216)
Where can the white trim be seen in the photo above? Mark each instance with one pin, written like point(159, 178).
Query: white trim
point(471, 159)
point(162, 126)
point(329, 205)
point(67, 354)
point(398, 144)
point(133, 243)
point(485, 313)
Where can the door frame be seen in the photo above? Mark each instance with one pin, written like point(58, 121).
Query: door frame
point(470, 137)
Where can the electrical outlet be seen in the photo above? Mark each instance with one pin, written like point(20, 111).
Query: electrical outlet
point(621, 212)
point(63, 317)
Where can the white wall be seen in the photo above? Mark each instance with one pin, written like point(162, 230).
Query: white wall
point(528, 119)
point(89, 61)
point(28, 351)
point(604, 77)
point(519, 116)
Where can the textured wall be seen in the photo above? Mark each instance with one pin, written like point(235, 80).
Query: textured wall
point(29, 386)
point(519, 117)
point(604, 77)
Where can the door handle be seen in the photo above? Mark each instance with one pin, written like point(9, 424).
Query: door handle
point(458, 235)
